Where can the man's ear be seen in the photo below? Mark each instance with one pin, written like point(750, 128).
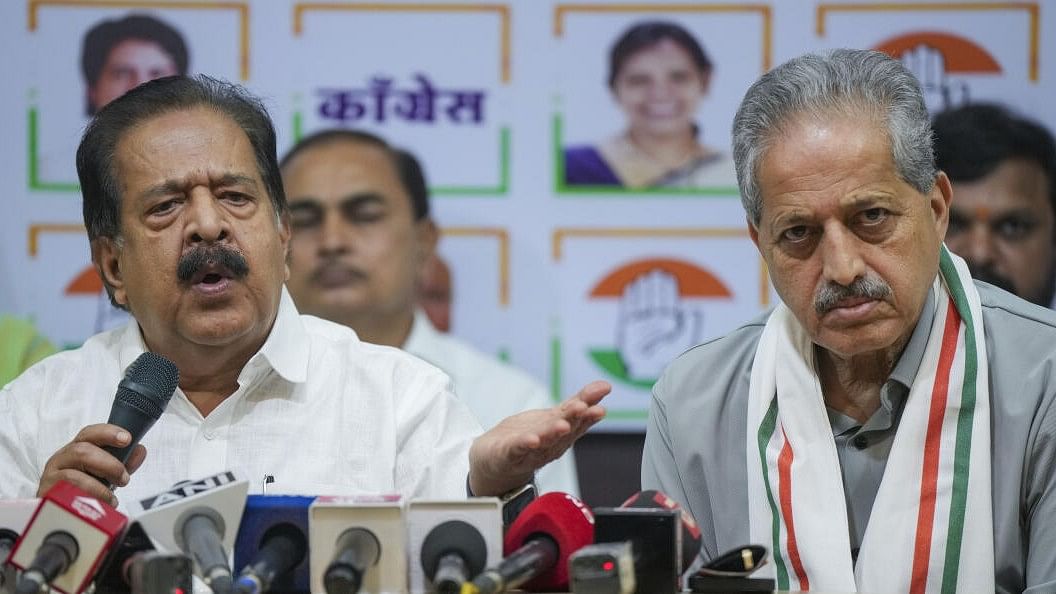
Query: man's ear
point(284, 238)
point(428, 235)
point(106, 252)
point(939, 202)
point(753, 232)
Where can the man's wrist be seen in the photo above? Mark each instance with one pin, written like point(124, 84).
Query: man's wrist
point(481, 486)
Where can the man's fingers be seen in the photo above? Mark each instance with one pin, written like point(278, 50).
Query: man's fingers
point(94, 461)
point(88, 484)
point(136, 458)
point(592, 393)
point(103, 434)
point(84, 462)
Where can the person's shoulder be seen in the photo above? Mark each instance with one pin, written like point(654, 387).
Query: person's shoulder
point(469, 360)
point(735, 348)
point(1005, 313)
point(585, 165)
point(475, 375)
point(338, 348)
point(581, 151)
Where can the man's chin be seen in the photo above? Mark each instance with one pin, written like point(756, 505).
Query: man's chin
point(223, 327)
point(857, 340)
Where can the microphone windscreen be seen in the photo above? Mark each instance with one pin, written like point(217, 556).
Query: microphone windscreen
point(149, 384)
point(563, 518)
point(690, 529)
point(458, 537)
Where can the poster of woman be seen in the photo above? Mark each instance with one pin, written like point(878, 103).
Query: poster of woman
point(658, 75)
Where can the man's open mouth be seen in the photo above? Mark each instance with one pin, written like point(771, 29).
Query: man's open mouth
point(211, 274)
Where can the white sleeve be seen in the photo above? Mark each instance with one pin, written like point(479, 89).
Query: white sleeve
point(434, 432)
point(19, 429)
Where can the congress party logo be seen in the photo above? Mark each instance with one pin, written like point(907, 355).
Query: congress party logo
point(940, 62)
point(659, 316)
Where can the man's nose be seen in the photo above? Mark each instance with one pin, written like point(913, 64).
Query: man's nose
point(334, 235)
point(978, 245)
point(841, 255)
point(207, 222)
point(660, 90)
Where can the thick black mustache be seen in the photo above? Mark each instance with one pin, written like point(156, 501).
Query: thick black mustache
point(866, 287)
point(193, 261)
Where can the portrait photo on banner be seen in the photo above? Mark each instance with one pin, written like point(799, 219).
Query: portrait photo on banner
point(646, 108)
point(115, 50)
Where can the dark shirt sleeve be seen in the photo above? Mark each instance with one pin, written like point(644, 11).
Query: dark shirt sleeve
point(659, 467)
point(1040, 500)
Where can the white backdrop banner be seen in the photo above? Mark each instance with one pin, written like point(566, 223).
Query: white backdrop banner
point(572, 280)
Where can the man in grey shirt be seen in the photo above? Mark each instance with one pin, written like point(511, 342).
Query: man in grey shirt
point(837, 176)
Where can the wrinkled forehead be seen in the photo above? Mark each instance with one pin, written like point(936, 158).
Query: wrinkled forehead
point(181, 148)
point(336, 169)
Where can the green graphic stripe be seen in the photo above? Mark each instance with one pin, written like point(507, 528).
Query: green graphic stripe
point(297, 126)
point(33, 162)
point(557, 127)
point(504, 174)
point(612, 363)
point(626, 414)
point(766, 432)
point(963, 447)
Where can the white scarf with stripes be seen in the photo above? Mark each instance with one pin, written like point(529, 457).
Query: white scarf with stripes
point(931, 525)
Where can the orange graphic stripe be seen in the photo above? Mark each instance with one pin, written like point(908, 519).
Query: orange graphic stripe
point(503, 238)
point(241, 7)
point(502, 10)
point(561, 10)
point(1031, 8)
point(784, 474)
point(38, 229)
point(932, 446)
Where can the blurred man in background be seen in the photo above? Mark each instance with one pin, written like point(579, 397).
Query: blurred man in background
point(1002, 221)
point(361, 236)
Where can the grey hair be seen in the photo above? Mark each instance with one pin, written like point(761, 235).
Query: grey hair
point(842, 81)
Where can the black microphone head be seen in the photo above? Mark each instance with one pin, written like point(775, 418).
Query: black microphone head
point(285, 546)
point(148, 385)
point(454, 536)
point(690, 529)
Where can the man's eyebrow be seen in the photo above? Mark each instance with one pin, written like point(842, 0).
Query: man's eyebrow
point(175, 186)
point(235, 179)
point(361, 197)
point(165, 188)
point(303, 203)
point(1015, 213)
point(868, 199)
point(792, 219)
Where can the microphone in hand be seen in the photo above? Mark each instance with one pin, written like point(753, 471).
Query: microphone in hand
point(141, 397)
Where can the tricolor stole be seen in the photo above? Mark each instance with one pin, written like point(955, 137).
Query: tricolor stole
point(931, 525)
